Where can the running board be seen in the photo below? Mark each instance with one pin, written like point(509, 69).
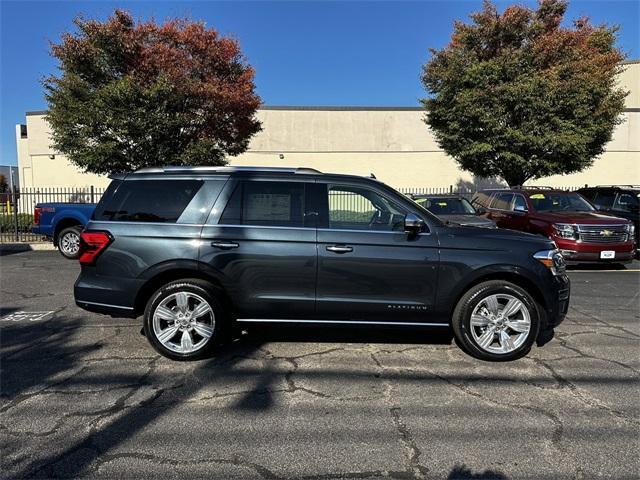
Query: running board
point(341, 322)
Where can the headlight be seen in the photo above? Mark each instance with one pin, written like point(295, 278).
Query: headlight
point(630, 228)
point(553, 260)
point(564, 230)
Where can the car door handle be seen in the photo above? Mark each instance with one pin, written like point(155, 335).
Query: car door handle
point(225, 245)
point(339, 249)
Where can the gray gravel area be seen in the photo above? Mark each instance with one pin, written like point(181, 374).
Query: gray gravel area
point(84, 395)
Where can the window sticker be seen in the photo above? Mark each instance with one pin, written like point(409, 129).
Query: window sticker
point(268, 206)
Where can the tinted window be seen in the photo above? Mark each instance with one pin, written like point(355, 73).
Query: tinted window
point(147, 200)
point(266, 203)
point(626, 202)
point(604, 199)
point(356, 208)
point(502, 201)
point(447, 205)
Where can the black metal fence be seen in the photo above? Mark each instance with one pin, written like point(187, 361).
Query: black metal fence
point(16, 208)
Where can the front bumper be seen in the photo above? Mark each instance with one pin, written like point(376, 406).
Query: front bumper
point(558, 297)
point(579, 252)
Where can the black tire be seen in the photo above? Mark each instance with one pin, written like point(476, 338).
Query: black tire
point(194, 288)
point(69, 241)
point(461, 321)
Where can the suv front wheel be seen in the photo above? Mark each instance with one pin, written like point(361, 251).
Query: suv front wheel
point(496, 321)
point(183, 320)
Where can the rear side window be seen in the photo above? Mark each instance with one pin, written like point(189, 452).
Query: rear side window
point(160, 201)
point(279, 204)
point(502, 201)
point(626, 202)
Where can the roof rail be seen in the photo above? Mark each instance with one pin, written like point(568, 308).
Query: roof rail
point(620, 185)
point(226, 169)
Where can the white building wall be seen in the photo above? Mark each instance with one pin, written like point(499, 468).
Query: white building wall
point(393, 143)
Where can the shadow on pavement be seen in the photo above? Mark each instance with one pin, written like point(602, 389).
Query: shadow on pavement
point(462, 472)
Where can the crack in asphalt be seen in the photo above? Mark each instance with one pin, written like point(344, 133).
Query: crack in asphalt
point(604, 322)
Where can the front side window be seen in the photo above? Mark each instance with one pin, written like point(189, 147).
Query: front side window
point(279, 204)
point(161, 201)
point(559, 201)
point(357, 208)
point(519, 203)
point(604, 199)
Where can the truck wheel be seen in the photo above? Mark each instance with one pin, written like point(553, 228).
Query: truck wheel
point(496, 321)
point(69, 242)
point(184, 320)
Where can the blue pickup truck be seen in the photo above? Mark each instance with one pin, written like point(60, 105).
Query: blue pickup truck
point(63, 223)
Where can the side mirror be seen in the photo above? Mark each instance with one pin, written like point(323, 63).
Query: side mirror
point(481, 210)
point(413, 224)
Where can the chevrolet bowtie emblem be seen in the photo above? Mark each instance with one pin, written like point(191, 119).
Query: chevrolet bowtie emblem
point(606, 233)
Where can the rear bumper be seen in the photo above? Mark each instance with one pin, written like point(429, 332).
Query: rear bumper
point(108, 295)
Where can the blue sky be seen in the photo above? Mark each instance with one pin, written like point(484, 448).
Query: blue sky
point(305, 53)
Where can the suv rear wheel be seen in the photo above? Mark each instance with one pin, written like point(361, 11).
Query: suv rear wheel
point(496, 321)
point(183, 319)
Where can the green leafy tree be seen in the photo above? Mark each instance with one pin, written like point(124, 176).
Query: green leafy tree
point(134, 95)
point(518, 96)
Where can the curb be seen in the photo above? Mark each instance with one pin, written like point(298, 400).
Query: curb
point(26, 247)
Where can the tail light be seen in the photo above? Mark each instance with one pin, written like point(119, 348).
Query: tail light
point(36, 215)
point(92, 244)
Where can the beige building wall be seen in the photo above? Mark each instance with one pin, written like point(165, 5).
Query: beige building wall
point(393, 143)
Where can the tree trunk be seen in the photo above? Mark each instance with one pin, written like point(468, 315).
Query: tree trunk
point(514, 179)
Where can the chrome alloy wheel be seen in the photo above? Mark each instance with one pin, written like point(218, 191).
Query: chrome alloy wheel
point(500, 323)
point(183, 322)
point(70, 243)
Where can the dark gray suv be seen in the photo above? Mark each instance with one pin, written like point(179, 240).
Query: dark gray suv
point(197, 250)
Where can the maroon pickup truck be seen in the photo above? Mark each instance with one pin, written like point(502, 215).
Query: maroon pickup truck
point(582, 233)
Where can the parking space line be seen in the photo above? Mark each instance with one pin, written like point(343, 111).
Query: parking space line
point(26, 316)
point(603, 271)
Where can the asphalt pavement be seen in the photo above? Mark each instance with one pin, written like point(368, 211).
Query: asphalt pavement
point(84, 395)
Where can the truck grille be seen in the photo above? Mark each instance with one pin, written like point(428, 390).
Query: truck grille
point(602, 233)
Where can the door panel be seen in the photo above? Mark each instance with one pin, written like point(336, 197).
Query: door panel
point(385, 277)
point(270, 274)
point(368, 267)
point(263, 248)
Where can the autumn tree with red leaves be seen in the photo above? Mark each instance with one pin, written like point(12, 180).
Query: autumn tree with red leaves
point(518, 96)
point(134, 95)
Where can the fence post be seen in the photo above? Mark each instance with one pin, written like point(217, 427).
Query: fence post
point(15, 212)
point(92, 194)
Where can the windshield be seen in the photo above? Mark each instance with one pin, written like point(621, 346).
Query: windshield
point(447, 206)
point(560, 202)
